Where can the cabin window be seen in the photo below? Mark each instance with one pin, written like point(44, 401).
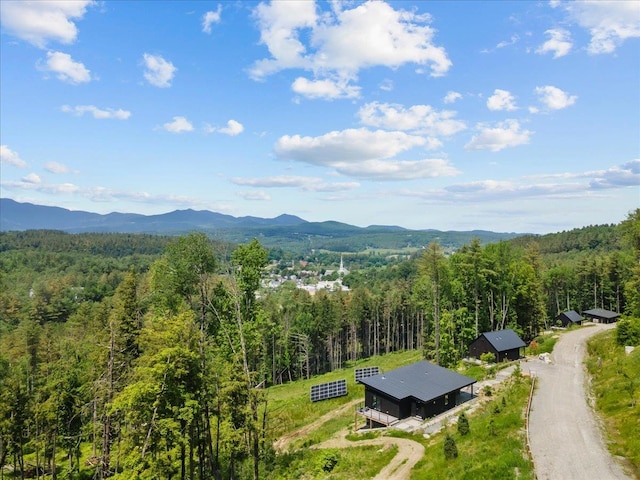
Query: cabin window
point(446, 399)
point(374, 402)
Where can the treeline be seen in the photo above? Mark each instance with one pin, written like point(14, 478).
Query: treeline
point(160, 373)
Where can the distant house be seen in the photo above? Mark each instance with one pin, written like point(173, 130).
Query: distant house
point(569, 318)
point(422, 389)
point(600, 315)
point(504, 344)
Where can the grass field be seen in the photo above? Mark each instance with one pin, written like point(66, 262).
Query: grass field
point(290, 406)
point(615, 380)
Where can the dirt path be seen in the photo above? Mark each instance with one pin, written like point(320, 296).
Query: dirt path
point(409, 452)
point(566, 440)
point(399, 468)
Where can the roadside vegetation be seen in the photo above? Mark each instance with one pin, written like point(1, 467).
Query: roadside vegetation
point(495, 445)
point(615, 381)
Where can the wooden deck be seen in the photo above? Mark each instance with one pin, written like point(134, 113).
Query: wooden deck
point(372, 415)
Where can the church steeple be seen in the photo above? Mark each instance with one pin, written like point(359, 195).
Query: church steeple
point(342, 270)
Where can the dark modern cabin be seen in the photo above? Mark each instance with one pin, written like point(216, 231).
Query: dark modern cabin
point(422, 390)
point(569, 318)
point(600, 315)
point(504, 344)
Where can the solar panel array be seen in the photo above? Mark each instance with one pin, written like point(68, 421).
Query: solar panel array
point(366, 372)
point(325, 391)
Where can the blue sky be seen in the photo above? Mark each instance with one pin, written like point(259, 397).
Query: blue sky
point(506, 116)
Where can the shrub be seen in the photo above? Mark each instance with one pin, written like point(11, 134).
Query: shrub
point(487, 390)
point(491, 428)
point(330, 460)
point(628, 331)
point(450, 448)
point(488, 357)
point(463, 424)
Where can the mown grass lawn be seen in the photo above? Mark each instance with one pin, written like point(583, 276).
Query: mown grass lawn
point(615, 380)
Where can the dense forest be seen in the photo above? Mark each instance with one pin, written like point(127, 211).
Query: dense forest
point(138, 356)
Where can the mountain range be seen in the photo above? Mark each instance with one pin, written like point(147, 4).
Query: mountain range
point(283, 231)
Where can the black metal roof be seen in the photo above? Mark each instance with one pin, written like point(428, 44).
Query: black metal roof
point(503, 340)
point(572, 315)
point(600, 313)
point(423, 381)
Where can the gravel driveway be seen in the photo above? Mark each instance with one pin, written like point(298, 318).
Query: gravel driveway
point(566, 441)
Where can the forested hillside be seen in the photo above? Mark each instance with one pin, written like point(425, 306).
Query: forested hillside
point(131, 356)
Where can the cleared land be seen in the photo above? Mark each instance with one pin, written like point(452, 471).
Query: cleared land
point(409, 453)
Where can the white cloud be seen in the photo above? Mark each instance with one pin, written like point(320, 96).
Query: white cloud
point(179, 125)
point(398, 169)
point(452, 97)
point(625, 175)
point(351, 145)
point(386, 85)
point(326, 88)
point(255, 195)
point(503, 135)
point(32, 178)
point(422, 119)
point(232, 129)
point(39, 22)
point(10, 157)
point(609, 23)
point(48, 188)
point(501, 100)
point(108, 195)
point(159, 72)
point(55, 167)
point(210, 18)
point(362, 153)
point(98, 113)
point(308, 184)
point(505, 43)
point(559, 43)
point(553, 98)
point(345, 40)
point(566, 185)
point(65, 68)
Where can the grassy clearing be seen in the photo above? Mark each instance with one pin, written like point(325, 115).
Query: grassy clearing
point(337, 464)
point(494, 448)
point(290, 406)
point(615, 379)
point(325, 431)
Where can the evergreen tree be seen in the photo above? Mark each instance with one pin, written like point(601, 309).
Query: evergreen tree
point(450, 448)
point(463, 424)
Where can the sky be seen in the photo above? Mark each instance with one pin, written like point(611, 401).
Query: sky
point(511, 116)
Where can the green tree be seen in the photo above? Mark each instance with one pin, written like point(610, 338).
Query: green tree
point(159, 405)
point(434, 276)
point(463, 424)
point(450, 448)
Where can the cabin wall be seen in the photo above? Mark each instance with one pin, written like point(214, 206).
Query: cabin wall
point(381, 402)
point(439, 405)
point(481, 345)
